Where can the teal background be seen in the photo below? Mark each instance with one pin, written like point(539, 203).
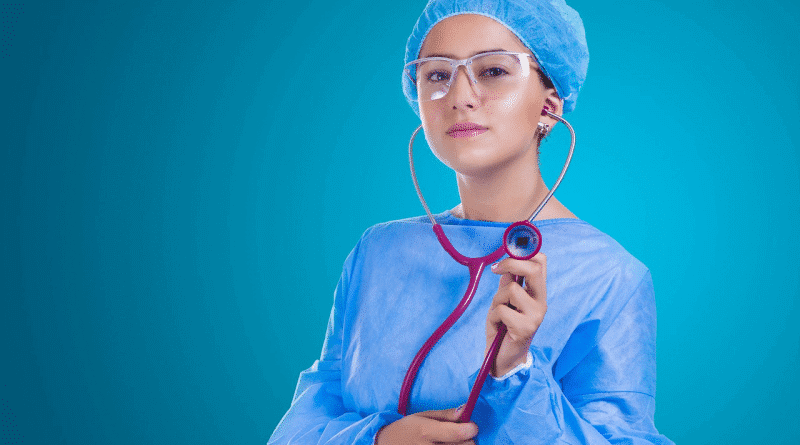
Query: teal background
point(181, 181)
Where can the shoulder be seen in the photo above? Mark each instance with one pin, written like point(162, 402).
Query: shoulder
point(391, 242)
point(577, 244)
point(591, 279)
point(588, 271)
point(386, 231)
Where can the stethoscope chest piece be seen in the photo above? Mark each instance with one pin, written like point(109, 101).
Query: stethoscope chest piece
point(522, 240)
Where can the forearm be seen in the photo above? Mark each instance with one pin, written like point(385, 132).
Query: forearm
point(529, 407)
point(318, 415)
point(348, 428)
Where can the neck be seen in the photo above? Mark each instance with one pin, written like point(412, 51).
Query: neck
point(503, 196)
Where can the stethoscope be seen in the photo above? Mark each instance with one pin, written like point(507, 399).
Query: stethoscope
point(521, 240)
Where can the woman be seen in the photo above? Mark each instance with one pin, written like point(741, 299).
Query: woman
point(578, 363)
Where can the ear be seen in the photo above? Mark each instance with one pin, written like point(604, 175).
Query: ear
point(555, 105)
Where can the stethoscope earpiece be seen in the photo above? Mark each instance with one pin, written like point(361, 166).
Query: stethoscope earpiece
point(521, 240)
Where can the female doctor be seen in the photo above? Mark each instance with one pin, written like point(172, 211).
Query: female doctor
point(578, 362)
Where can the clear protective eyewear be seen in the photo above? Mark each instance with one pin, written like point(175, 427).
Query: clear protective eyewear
point(493, 74)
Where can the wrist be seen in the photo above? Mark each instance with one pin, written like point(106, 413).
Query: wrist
point(375, 441)
point(524, 362)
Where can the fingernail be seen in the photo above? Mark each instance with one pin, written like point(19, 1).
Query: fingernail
point(460, 408)
point(495, 265)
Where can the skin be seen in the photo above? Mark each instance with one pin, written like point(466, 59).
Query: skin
point(427, 428)
point(498, 180)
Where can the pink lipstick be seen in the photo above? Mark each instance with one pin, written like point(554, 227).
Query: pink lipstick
point(466, 130)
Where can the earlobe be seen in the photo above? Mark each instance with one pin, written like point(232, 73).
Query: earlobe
point(552, 104)
point(542, 129)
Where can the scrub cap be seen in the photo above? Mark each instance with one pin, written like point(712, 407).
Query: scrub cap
point(549, 28)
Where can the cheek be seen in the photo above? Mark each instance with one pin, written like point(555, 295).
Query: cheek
point(431, 115)
point(516, 112)
point(433, 127)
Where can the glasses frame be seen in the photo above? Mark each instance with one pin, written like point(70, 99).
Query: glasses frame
point(467, 64)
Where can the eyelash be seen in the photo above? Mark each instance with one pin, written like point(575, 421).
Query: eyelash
point(435, 73)
point(485, 72)
point(503, 72)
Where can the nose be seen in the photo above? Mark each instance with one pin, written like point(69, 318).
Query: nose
point(462, 91)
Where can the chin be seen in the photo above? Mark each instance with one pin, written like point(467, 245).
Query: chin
point(477, 159)
point(477, 164)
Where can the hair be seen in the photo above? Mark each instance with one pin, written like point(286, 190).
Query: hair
point(545, 80)
point(548, 84)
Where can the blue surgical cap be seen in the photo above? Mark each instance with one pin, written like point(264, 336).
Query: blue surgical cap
point(549, 28)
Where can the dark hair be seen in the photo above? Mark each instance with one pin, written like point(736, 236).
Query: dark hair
point(547, 83)
point(545, 80)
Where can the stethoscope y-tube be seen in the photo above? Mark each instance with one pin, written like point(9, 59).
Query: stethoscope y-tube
point(521, 240)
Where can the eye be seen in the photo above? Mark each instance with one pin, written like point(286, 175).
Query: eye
point(437, 76)
point(494, 72)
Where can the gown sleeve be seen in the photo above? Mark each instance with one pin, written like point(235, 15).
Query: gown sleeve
point(317, 414)
point(608, 397)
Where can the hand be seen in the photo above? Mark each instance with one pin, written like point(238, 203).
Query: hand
point(522, 321)
point(428, 427)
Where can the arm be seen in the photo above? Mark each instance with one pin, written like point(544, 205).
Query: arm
point(317, 414)
point(606, 398)
point(613, 387)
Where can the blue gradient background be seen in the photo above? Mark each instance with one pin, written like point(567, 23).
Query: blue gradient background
point(181, 181)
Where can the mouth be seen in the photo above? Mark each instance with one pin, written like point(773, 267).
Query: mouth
point(466, 130)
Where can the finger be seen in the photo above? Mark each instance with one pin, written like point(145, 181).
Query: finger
point(505, 278)
point(537, 286)
point(507, 316)
point(520, 327)
point(525, 268)
point(447, 415)
point(521, 300)
point(446, 431)
point(503, 295)
point(514, 295)
point(450, 416)
point(534, 271)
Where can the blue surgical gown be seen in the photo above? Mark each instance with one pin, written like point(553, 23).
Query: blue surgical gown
point(592, 378)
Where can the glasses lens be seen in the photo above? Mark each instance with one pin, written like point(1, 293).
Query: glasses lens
point(493, 71)
point(432, 78)
point(496, 75)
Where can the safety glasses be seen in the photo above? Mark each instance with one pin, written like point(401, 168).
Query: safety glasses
point(492, 74)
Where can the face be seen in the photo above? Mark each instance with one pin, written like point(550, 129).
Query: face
point(510, 120)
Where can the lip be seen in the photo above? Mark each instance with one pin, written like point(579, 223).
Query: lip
point(466, 130)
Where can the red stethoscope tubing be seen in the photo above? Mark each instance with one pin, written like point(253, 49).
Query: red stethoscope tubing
point(476, 267)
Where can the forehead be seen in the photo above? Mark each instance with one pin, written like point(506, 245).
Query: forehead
point(464, 35)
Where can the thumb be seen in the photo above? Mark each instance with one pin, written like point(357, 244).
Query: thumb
point(455, 413)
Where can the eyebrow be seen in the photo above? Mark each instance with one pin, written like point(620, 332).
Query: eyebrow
point(450, 56)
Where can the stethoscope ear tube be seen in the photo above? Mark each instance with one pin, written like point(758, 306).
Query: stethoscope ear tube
point(414, 174)
point(547, 112)
point(521, 240)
